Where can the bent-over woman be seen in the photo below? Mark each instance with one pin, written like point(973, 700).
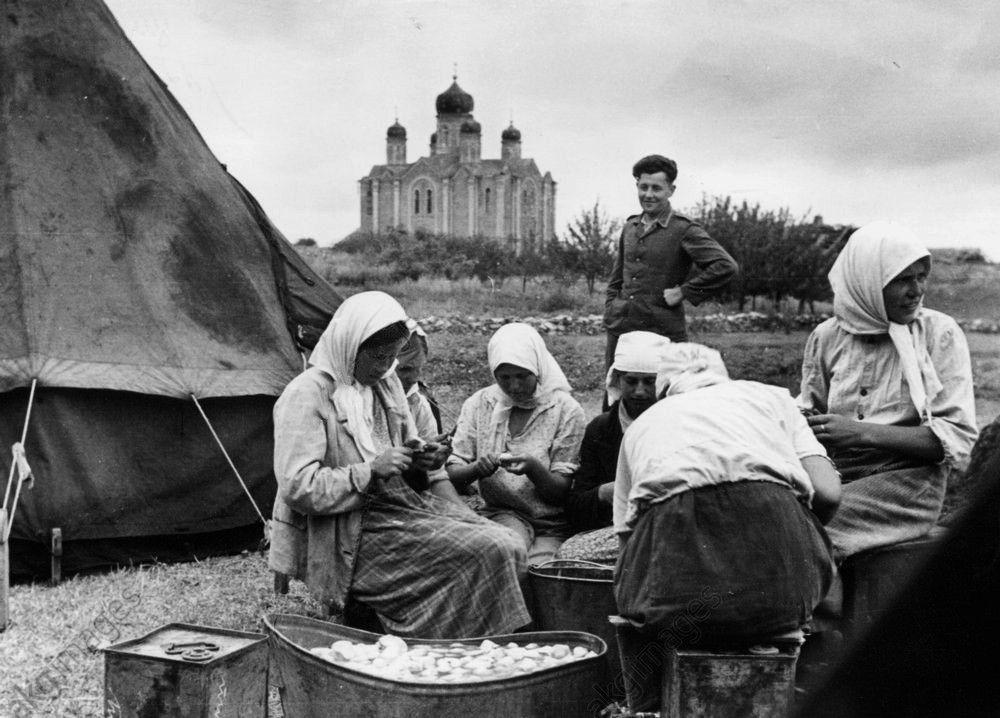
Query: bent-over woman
point(362, 515)
point(887, 386)
point(719, 498)
point(520, 440)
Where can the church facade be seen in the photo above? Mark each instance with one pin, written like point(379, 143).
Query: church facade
point(454, 190)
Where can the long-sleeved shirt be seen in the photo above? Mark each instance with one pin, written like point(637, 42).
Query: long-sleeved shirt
point(598, 460)
point(729, 432)
point(861, 377)
point(652, 259)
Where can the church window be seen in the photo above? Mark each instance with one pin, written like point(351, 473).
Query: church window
point(416, 201)
point(487, 199)
point(430, 203)
point(368, 199)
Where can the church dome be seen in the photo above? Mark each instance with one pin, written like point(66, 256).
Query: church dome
point(471, 127)
point(396, 131)
point(511, 133)
point(454, 101)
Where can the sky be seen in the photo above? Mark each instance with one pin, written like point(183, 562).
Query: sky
point(848, 109)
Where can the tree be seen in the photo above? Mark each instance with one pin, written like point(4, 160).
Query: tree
point(588, 249)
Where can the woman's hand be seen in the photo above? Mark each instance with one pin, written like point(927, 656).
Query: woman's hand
point(838, 431)
point(520, 464)
point(431, 456)
point(392, 462)
point(486, 465)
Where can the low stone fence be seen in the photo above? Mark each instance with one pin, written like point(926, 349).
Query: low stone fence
point(593, 324)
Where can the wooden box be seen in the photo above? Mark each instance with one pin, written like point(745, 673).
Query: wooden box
point(744, 684)
point(187, 671)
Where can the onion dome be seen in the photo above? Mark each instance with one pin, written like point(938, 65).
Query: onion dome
point(511, 133)
point(396, 131)
point(471, 127)
point(454, 101)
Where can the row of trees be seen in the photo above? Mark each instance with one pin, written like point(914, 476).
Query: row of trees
point(780, 257)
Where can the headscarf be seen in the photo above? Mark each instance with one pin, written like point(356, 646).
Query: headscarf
point(357, 318)
point(637, 352)
point(415, 346)
point(873, 256)
point(519, 344)
point(687, 366)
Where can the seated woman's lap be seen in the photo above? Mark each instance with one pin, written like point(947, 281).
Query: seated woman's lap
point(887, 508)
point(541, 545)
point(431, 568)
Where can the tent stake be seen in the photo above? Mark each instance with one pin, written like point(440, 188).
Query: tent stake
point(57, 551)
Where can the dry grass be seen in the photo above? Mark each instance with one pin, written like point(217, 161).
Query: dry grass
point(49, 657)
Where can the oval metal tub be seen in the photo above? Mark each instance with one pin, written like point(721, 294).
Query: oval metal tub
point(312, 687)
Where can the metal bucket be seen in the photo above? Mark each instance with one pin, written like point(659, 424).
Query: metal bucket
point(574, 595)
point(311, 687)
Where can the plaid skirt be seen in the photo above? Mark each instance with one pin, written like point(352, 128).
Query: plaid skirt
point(732, 560)
point(433, 569)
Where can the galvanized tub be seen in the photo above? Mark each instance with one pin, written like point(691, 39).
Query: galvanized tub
point(312, 687)
point(575, 595)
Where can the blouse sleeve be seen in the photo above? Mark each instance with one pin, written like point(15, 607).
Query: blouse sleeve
point(302, 434)
point(463, 444)
point(953, 409)
point(564, 455)
point(623, 487)
point(815, 388)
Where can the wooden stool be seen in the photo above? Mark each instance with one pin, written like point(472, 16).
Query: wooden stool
point(874, 579)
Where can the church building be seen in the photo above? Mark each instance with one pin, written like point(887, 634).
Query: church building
point(454, 190)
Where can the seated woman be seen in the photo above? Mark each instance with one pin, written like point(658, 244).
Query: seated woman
point(520, 440)
point(719, 498)
point(631, 389)
point(347, 520)
point(409, 364)
point(887, 387)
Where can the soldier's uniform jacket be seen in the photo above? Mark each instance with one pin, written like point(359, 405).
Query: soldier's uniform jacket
point(653, 259)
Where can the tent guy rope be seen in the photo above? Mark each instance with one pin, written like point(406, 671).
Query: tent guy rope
point(246, 490)
point(19, 464)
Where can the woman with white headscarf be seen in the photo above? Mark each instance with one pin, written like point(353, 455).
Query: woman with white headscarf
point(887, 386)
point(364, 510)
point(631, 389)
point(520, 440)
point(720, 493)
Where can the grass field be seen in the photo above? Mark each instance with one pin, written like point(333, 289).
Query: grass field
point(50, 662)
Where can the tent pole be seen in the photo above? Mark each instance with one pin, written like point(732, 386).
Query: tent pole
point(4, 572)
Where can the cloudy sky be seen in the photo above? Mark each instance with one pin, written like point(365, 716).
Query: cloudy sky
point(846, 108)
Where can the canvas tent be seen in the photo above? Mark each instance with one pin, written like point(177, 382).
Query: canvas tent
point(136, 275)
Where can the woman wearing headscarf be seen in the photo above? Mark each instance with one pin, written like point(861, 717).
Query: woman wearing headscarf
point(631, 389)
point(409, 364)
point(887, 387)
point(520, 440)
point(720, 493)
point(364, 510)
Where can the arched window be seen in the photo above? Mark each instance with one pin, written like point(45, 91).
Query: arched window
point(487, 200)
point(416, 201)
point(368, 199)
point(430, 202)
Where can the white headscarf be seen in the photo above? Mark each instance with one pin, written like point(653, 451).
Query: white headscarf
point(519, 344)
point(357, 318)
point(686, 366)
point(873, 256)
point(638, 352)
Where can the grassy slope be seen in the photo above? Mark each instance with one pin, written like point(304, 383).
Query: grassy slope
point(43, 654)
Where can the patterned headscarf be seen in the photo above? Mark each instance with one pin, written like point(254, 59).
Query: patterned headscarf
point(519, 344)
point(873, 256)
point(687, 366)
point(358, 317)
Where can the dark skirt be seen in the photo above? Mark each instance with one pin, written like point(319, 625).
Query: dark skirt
point(733, 560)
